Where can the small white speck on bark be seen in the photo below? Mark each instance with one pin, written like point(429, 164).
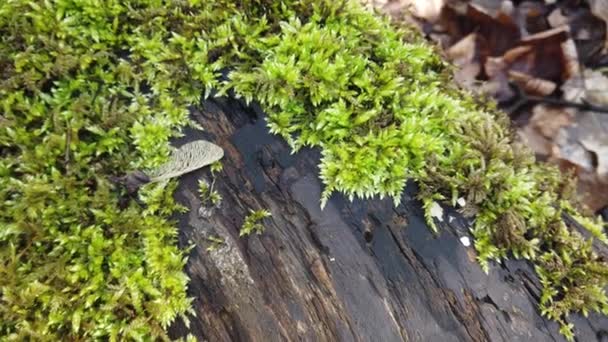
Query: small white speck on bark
point(465, 241)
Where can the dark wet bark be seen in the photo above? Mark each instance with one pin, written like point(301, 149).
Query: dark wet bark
point(360, 271)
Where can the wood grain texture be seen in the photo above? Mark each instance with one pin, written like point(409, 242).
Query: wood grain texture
point(354, 271)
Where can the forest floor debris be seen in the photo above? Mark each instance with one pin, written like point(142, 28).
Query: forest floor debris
point(544, 62)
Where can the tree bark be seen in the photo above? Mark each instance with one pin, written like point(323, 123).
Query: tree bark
point(354, 271)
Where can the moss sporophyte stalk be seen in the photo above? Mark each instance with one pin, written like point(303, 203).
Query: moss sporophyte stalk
point(92, 89)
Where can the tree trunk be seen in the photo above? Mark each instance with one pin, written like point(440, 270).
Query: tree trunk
point(354, 271)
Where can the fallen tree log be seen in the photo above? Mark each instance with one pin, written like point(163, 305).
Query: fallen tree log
point(354, 271)
point(91, 95)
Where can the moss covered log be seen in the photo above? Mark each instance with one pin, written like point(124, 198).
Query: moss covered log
point(93, 89)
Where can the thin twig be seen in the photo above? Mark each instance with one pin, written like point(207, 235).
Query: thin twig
point(523, 99)
point(564, 103)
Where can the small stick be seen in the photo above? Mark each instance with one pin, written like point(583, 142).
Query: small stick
point(523, 98)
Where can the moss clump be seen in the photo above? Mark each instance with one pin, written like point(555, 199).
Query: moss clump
point(83, 98)
point(92, 89)
point(253, 222)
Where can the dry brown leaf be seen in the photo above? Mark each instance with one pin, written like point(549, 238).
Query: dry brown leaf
point(464, 55)
point(593, 135)
point(567, 147)
point(492, 7)
point(532, 85)
point(591, 86)
point(543, 127)
point(559, 33)
point(599, 8)
point(531, 17)
point(517, 52)
point(498, 88)
point(596, 88)
point(540, 145)
point(571, 62)
point(549, 120)
point(593, 191)
point(496, 68)
point(464, 51)
point(499, 31)
point(466, 76)
point(428, 10)
point(557, 18)
point(585, 146)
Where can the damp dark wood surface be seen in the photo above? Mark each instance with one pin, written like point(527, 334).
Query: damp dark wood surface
point(354, 271)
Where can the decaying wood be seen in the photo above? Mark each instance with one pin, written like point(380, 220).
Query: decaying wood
point(361, 271)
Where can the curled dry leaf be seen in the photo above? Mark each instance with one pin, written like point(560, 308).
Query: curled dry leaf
point(464, 55)
point(593, 127)
point(598, 146)
point(464, 51)
point(599, 8)
point(492, 8)
point(557, 18)
point(526, 64)
point(591, 86)
point(568, 148)
point(496, 68)
point(532, 85)
point(498, 29)
point(546, 59)
point(498, 65)
point(428, 9)
point(571, 66)
point(543, 128)
point(548, 120)
point(585, 146)
point(540, 145)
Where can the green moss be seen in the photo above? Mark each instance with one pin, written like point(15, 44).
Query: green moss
point(215, 242)
point(209, 196)
point(95, 88)
point(253, 222)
